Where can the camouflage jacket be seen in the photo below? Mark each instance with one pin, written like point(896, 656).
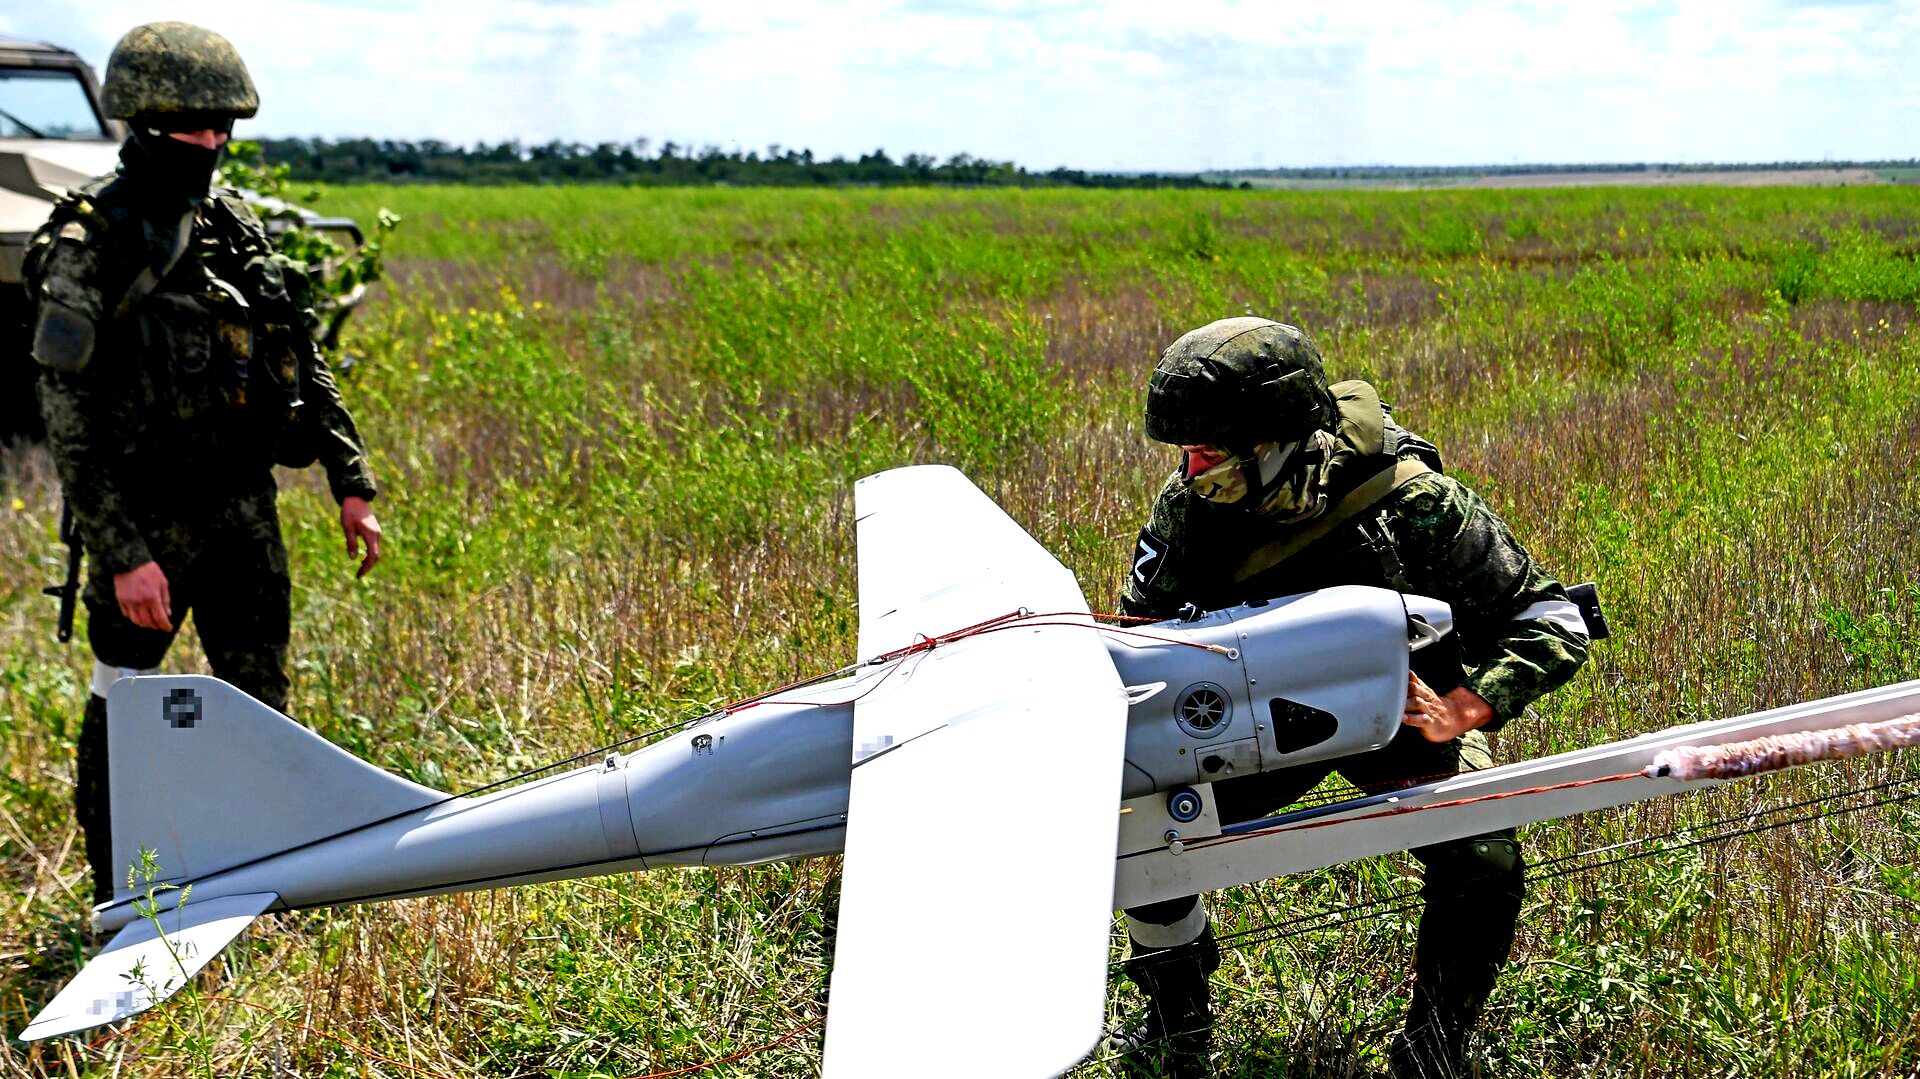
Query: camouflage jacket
point(187, 380)
point(1519, 636)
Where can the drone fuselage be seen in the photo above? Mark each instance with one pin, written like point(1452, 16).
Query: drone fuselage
point(1226, 693)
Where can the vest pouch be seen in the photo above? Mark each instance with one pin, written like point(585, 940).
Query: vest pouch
point(199, 348)
point(276, 370)
point(280, 332)
point(280, 371)
point(175, 330)
point(231, 327)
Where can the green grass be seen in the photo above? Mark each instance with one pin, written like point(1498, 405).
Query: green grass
point(618, 431)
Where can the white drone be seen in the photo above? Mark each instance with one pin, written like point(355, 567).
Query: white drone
point(992, 709)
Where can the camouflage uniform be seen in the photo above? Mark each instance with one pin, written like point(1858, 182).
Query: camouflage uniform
point(1518, 637)
point(173, 379)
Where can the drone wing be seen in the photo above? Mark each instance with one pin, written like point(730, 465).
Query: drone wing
point(966, 947)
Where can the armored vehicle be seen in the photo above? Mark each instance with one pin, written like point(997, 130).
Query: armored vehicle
point(53, 136)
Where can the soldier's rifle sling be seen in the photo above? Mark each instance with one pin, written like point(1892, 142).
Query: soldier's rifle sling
point(151, 276)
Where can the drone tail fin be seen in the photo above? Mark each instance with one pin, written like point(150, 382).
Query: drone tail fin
point(207, 778)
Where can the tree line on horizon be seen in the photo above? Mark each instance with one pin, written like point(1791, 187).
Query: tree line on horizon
point(1401, 172)
point(637, 163)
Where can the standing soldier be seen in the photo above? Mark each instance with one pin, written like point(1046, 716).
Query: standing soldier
point(178, 370)
point(1287, 484)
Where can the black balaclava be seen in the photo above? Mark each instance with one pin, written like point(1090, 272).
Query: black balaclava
point(166, 167)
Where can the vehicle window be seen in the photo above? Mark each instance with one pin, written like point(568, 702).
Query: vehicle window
point(46, 105)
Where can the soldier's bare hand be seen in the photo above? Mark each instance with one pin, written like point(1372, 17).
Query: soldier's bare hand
point(1441, 718)
point(144, 597)
point(356, 521)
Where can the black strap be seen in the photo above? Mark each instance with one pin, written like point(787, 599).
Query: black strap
point(68, 591)
point(151, 276)
point(1356, 502)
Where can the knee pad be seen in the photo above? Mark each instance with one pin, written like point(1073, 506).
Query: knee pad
point(1168, 924)
point(1179, 968)
point(1172, 944)
point(105, 676)
point(1474, 866)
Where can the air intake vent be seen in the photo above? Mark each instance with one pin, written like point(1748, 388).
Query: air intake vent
point(1203, 710)
point(1298, 726)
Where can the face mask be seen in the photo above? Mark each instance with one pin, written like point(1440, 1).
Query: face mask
point(1281, 480)
point(179, 168)
point(1224, 483)
point(1298, 493)
point(1233, 480)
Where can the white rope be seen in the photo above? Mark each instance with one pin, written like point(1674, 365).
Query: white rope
point(1735, 759)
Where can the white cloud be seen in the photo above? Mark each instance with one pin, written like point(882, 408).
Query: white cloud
point(1135, 83)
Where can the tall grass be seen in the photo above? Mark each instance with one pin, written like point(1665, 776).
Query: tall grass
point(617, 432)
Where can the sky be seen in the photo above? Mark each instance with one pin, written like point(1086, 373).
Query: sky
point(1174, 85)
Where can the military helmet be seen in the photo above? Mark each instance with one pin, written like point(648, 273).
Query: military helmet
point(1238, 382)
point(165, 68)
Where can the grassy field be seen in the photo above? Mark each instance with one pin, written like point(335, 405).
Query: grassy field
point(618, 432)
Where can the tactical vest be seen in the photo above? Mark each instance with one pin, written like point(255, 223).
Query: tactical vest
point(1385, 457)
point(1354, 542)
point(1356, 505)
point(218, 344)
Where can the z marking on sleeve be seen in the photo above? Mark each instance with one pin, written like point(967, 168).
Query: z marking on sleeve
point(1151, 555)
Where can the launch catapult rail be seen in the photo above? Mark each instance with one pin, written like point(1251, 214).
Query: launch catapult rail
point(1167, 858)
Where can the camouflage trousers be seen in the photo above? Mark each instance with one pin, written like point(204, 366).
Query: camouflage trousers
point(221, 550)
point(1472, 891)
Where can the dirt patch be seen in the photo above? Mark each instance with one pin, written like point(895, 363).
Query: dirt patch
point(1842, 320)
point(1094, 332)
point(460, 283)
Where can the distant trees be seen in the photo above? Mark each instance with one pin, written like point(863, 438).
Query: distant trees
point(637, 162)
point(1432, 172)
point(433, 161)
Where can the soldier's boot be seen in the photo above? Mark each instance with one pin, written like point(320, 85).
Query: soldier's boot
point(1434, 1043)
point(1176, 1039)
point(91, 807)
point(1473, 891)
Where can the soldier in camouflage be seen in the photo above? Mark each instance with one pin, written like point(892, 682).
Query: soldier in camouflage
point(1288, 484)
point(178, 370)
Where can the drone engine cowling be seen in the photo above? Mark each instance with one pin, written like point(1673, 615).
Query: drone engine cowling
point(1269, 685)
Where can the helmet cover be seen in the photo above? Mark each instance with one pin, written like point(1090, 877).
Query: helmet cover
point(166, 68)
point(1236, 383)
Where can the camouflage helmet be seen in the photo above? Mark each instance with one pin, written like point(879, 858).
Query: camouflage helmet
point(1238, 382)
point(176, 67)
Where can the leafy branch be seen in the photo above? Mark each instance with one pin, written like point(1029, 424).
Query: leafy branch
point(339, 272)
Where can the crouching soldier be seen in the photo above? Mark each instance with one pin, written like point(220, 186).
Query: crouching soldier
point(1285, 485)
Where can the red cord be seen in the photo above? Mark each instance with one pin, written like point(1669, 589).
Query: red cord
point(926, 643)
